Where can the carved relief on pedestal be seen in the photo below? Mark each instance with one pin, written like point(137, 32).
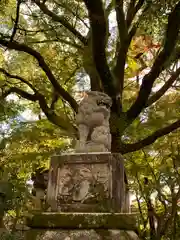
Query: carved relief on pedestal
point(86, 183)
point(83, 185)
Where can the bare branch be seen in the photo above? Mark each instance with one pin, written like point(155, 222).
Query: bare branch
point(126, 34)
point(164, 88)
point(123, 48)
point(171, 37)
point(145, 221)
point(61, 20)
point(71, 11)
point(16, 20)
point(61, 40)
point(122, 27)
point(161, 196)
point(109, 8)
point(24, 48)
point(34, 32)
point(151, 214)
point(132, 10)
point(168, 221)
point(126, 148)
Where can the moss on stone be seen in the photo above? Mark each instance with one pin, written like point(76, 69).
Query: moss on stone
point(83, 221)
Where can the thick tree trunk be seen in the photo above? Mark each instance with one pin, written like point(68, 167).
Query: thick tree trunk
point(115, 145)
point(90, 69)
point(94, 79)
point(117, 125)
point(115, 148)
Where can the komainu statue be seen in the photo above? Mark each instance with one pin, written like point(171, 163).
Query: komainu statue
point(93, 123)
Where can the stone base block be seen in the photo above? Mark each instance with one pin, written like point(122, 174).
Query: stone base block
point(81, 226)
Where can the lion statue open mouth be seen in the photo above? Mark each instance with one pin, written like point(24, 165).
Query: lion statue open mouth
point(93, 123)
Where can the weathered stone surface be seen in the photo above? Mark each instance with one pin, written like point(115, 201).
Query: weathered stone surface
point(93, 123)
point(86, 183)
point(37, 234)
point(121, 221)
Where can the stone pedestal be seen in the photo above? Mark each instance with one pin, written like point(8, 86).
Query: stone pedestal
point(86, 183)
point(86, 197)
point(81, 226)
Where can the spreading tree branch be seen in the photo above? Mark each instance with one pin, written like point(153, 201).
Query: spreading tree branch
point(164, 88)
point(37, 97)
point(17, 77)
point(171, 37)
point(99, 35)
point(61, 20)
point(53, 117)
point(126, 148)
point(20, 92)
point(24, 48)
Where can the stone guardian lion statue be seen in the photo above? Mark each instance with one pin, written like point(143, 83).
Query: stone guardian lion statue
point(93, 123)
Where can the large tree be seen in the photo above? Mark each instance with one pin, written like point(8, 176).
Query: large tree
point(129, 50)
